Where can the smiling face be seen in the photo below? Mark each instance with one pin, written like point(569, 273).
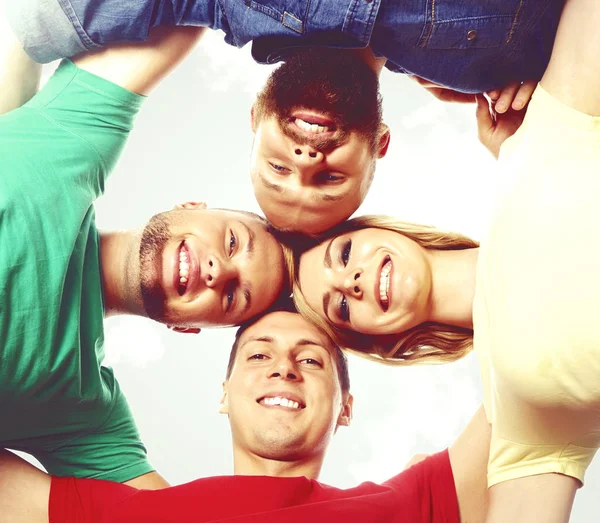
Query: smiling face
point(318, 133)
point(372, 281)
point(201, 268)
point(283, 397)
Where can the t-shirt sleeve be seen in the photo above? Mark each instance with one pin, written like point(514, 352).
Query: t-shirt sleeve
point(539, 353)
point(113, 451)
point(70, 134)
point(84, 500)
point(430, 484)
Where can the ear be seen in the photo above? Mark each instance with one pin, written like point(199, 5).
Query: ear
point(345, 417)
point(224, 404)
point(184, 330)
point(191, 205)
point(384, 141)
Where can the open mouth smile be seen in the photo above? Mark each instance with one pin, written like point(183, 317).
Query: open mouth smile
point(283, 401)
point(186, 272)
point(384, 283)
point(313, 124)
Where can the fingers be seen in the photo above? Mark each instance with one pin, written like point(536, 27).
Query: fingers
point(515, 96)
point(183, 330)
point(506, 97)
point(524, 95)
point(485, 119)
point(191, 205)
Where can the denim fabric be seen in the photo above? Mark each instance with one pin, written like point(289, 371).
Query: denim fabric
point(470, 45)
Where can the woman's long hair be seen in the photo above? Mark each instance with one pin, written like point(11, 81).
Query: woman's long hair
point(428, 342)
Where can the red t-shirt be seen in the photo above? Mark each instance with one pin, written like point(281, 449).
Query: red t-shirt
point(424, 493)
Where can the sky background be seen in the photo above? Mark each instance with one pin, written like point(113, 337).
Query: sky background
point(192, 142)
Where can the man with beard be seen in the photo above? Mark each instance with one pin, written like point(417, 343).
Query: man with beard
point(59, 277)
point(286, 392)
point(318, 123)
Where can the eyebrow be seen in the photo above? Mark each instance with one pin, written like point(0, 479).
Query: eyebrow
point(327, 257)
point(326, 300)
point(331, 197)
point(305, 341)
point(267, 339)
point(270, 185)
point(249, 253)
point(325, 197)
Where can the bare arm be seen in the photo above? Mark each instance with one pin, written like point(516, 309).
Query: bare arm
point(573, 74)
point(24, 490)
point(150, 481)
point(546, 497)
point(139, 67)
point(19, 75)
point(469, 458)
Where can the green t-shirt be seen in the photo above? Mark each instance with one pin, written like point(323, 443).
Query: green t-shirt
point(56, 400)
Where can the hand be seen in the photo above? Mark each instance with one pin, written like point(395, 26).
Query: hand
point(444, 93)
point(515, 95)
point(417, 458)
point(493, 128)
point(184, 330)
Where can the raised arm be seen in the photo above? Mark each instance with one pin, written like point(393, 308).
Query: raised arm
point(139, 67)
point(24, 490)
point(19, 75)
point(469, 457)
point(573, 74)
point(572, 77)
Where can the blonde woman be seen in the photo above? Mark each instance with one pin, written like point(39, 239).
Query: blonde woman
point(394, 291)
point(536, 286)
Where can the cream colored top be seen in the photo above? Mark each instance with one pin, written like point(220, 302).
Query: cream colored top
point(537, 304)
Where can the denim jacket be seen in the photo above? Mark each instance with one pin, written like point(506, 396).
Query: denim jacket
point(468, 45)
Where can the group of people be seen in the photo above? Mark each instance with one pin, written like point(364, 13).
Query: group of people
point(304, 283)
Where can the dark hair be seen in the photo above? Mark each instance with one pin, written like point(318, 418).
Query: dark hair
point(341, 362)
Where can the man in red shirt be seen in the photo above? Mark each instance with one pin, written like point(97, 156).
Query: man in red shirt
point(286, 393)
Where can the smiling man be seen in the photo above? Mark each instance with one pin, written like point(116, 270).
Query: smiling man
point(59, 276)
point(287, 391)
point(318, 122)
point(318, 133)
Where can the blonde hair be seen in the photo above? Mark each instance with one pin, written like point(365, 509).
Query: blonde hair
point(426, 343)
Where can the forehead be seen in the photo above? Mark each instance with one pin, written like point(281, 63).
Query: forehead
point(285, 328)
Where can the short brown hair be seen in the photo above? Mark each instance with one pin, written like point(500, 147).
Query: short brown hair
point(341, 362)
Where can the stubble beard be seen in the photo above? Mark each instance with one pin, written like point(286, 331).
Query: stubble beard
point(154, 238)
point(333, 81)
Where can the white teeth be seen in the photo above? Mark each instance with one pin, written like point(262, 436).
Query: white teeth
point(311, 128)
point(184, 267)
point(284, 402)
point(384, 283)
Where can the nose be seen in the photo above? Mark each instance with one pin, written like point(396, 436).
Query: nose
point(217, 271)
point(352, 283)
point(284, 369)
point(307, 155)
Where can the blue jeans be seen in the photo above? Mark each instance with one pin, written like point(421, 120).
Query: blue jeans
point(469, 45)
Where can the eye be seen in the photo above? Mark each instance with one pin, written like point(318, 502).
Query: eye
point(278, 168)
point(345, 252)
point(311, 361)
point(329, 178)
point(232, 242)
point(257, 357)
point(230, 290)
point(344, 309)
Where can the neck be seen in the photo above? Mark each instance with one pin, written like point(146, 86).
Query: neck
point(375, 63)
point(453, 286)
point(247, 464)
point(120, 272)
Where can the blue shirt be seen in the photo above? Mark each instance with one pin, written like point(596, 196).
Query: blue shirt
point(469, 45)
